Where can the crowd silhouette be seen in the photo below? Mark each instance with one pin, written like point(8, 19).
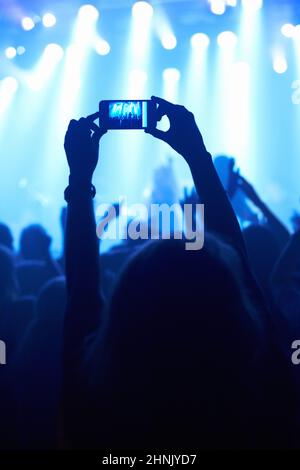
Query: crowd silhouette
point(151, 345)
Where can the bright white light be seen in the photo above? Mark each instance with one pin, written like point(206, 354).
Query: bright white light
point(138, 77)
point(171, 75)
point(48, 20)
point(252, 4)
point(231, 3)
point(227, 39)
point(296, 34)
point(242, 69)
point(10, 84)
point(200, 41)
point(142, 10)
point(8, 87)
point(88, 12)
point(27, 23)
point(169, 41)
point(280, 64)
point(288, 30)
point(54, 52)
point(10, 52)
point(20, 50)
point(217, 7)
point(102, 47)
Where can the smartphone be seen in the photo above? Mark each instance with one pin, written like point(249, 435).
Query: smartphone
point(127, 114)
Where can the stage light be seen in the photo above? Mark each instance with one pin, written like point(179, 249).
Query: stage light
point(142, 11)
point(288, 30)
point(10, 52)
point(137, 77)
point(171, 75)
point(102, 47)
point(200, 41)
point(169, 41)
point(10, 84)
point(53, 52)
point(252, 4)
point(231, 3)
point(88, 13)
point(217, 7)
point(27, 23)
point(227, 40)
point(21, 50)
point(8, 87)
point(280, 64)
point(48, 20)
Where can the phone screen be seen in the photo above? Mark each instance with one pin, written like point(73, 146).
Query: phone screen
point(120, 114)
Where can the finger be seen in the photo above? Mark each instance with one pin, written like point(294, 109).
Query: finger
point(84, 124)
point(72, 124)
point(93, 126)
point(98, 133)
point(93, 116)
point(164, 103)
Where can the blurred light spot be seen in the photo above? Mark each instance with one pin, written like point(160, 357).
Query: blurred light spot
point(252, 4)
point(288, 30)
point(102, 47)
point(142, 10)
point(27, 23)
point(169, 41)
point(200, 41)
point(20, 50)
point(88, 12)
point(227, 39)
point(10, 52)
point(217, 7)
point(171, 75)
point(280, 64)
point(48, 20)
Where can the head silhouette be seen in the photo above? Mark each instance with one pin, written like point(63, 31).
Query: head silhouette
point(6, 237)
point(34, 242)
point(8, 280)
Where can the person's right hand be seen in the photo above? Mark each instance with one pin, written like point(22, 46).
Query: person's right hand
point(82, 147)
point(183, 135)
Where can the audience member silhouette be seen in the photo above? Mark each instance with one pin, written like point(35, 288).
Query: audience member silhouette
point(37, 265)
point(153, 345)
point(36, 372)
point(184, 353)
point(6, 237)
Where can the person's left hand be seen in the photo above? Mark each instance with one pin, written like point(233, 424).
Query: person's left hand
point(82, 147)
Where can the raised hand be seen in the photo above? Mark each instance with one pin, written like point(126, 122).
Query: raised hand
point(82, 147)
point(183, 136)
point(249, 191)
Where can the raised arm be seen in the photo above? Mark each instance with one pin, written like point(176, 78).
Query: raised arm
point(84, 303)
point(185, 137)
point(82, 251)
point(276, 226)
